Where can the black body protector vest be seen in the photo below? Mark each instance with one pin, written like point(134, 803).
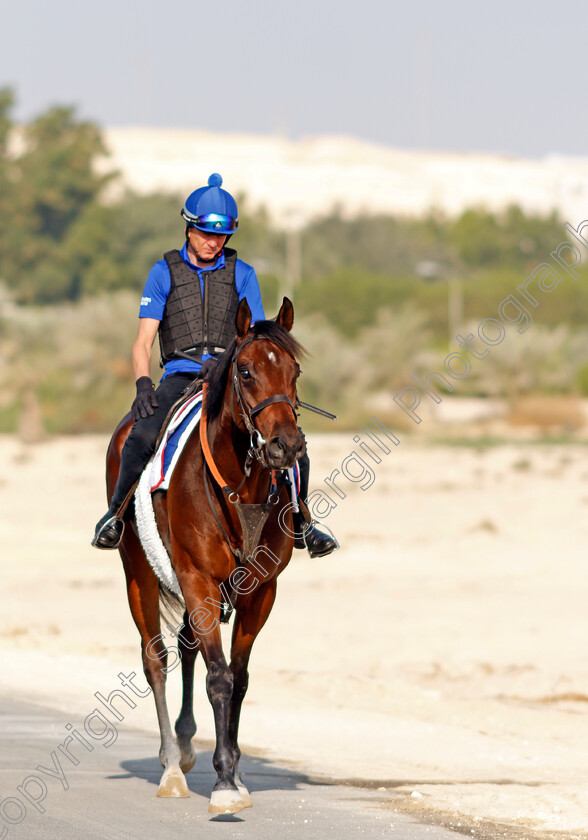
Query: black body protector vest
point(194, 323)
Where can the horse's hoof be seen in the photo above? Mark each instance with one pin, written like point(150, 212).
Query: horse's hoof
point(244, 792)
point(225, 802)
point(173, 783)
point(188, 760)
point(247, 803)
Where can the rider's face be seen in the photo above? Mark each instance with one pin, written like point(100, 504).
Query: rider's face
point(205, 245)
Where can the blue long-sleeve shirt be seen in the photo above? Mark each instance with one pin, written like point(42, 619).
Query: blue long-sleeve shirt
point(158, 287)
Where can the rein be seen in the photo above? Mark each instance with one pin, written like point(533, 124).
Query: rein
point(209, 460)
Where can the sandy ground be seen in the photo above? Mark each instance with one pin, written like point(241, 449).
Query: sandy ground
point(439, 655)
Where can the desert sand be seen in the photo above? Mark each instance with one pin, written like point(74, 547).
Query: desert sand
point(439, 655)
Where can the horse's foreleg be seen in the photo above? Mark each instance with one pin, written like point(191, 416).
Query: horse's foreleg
point(219, 686)
point(143, 595)
point(204, 621)
point(186, 724)
point(252, 613)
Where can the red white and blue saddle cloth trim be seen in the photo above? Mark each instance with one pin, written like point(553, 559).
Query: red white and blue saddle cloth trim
point(170, 448)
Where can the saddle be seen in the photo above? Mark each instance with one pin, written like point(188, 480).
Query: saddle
point(193, 388)
point(178, 428)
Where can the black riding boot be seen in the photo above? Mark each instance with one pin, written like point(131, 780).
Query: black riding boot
point(138, 448)
point(110, 528)
point(308, 536)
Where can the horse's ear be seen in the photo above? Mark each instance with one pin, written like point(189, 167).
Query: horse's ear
point(243, 318)
point(285, 317)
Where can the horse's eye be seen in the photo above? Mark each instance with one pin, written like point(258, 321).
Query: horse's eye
point(244, 374)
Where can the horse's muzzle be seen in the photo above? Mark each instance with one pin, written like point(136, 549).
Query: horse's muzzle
point(283, 452)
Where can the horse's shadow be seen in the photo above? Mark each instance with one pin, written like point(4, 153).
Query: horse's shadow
point(259, 774)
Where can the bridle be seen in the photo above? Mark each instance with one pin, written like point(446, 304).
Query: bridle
point(247, 413)
point(257, 441)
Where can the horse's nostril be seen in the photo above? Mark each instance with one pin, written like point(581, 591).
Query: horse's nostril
point(276, 447)
point(301, 448)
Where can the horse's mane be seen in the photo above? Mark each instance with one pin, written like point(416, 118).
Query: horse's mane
point(217, 379)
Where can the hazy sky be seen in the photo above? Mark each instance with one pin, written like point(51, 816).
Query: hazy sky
point(500, 76)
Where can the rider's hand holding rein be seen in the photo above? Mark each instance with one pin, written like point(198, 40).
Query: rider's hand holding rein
point(208, 366)
point(146, 399)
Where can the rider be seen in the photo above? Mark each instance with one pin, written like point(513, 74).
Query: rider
point(189, 322)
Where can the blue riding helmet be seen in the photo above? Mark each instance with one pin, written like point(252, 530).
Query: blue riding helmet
point(211, 209)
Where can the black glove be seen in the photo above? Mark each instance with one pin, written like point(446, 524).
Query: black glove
point(146, 399)
point(208, 366)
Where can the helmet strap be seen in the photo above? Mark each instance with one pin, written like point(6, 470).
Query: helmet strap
point(203, 259)
point(208, 262)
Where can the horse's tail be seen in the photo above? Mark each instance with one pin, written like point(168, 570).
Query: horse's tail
point(171, 607)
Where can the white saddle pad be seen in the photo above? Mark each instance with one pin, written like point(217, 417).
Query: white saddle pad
point(156, 476)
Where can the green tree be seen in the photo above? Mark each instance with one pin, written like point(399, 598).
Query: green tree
point(47, 186)
point(510, 239)
point(8, 179)
point(383, 245)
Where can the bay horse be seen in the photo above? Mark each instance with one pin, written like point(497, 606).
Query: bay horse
point(250, 432)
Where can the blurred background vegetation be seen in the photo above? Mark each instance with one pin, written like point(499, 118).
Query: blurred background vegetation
point(374, 297)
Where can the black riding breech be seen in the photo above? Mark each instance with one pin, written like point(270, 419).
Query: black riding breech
point(140, 444)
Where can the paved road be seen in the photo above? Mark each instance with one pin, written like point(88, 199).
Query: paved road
point(111, 793)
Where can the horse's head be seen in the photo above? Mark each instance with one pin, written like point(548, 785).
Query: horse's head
point(264, 371)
